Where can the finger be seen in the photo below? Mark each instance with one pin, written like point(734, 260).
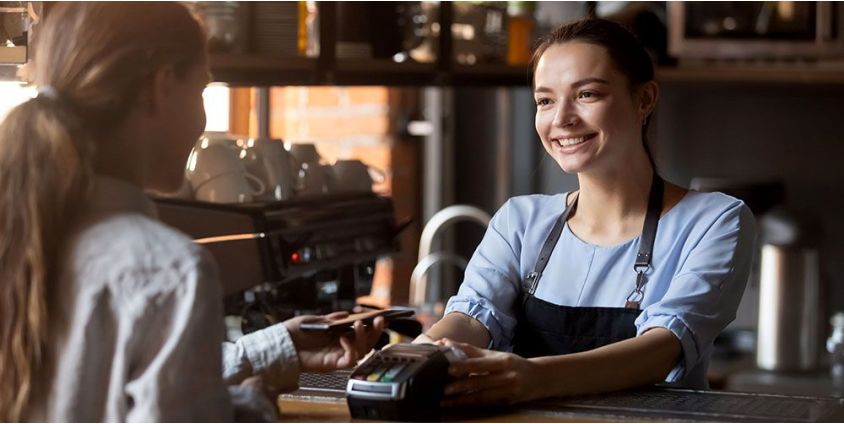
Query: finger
point(379, 324)
point(470, 350)
point(375, 332)
point(361, 337)
point(350, 354)
point(486, 364)
point(336, 315)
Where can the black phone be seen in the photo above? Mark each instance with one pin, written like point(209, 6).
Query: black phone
point(346, 324)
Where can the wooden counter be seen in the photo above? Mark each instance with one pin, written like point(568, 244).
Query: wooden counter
point(647, 404)
point(334, 410)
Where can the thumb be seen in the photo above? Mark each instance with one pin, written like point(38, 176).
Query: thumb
point(469, 350)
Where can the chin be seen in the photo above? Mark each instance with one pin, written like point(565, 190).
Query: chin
point(571, 165)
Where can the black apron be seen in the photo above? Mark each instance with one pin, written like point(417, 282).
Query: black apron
point(546, 329)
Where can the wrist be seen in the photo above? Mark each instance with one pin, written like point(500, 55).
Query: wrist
point(551, 379)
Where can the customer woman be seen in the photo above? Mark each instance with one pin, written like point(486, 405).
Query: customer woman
point(105, 313)
point(622, 283)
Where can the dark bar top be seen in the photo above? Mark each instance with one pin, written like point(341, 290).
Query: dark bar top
point(324, 397)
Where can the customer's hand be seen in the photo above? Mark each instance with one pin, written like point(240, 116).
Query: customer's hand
point(324, 351)
point(491, 377)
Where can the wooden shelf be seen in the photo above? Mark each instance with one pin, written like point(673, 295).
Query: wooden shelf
point(255, 70)
point(491, 75)
point(252, 70)
point(754, 74)
point(381, 72)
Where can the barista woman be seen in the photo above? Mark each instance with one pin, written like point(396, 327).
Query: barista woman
point(624, 282)
point(105, 313)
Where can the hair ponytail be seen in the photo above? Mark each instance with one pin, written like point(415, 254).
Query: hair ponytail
point(95, 57)
point(44, 165)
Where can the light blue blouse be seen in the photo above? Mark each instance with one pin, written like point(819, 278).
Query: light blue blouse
point(701, 261)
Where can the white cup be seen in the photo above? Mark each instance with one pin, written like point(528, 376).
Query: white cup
point(229, 188)
point(217, 173)
point(272, 163)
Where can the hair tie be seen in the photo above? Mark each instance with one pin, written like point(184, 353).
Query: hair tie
point(49, 92)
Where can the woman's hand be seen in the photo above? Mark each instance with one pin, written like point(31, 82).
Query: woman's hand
point(324, 351)
point(490, 377)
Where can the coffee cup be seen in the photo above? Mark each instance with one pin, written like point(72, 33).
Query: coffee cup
point(221, 138)
point(231, 187)
point(305, 153)
point(272, 163)
point(313, 179)
point(350, 176)
point(217, 173)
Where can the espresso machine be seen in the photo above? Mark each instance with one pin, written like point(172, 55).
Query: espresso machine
point(300, 256)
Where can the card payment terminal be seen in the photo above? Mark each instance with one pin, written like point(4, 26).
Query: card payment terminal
point(402, 382)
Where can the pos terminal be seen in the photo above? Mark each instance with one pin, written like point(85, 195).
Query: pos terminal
point(402, 382)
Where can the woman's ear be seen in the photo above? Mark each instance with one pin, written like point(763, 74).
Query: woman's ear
point(159, 90)
point(648, 95)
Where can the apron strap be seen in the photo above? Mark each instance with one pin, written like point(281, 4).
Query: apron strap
point(646, 242)
point(532, 279)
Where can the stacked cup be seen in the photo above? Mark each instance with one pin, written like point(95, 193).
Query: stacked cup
point(217, 173)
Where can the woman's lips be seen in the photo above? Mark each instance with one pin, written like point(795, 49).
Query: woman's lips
point(570, 144)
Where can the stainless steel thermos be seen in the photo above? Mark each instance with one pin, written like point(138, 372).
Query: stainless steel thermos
point(790, 296)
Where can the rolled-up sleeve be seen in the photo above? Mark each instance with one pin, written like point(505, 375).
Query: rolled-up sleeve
point(706, 289)
point(490, 284)
point(269, 353)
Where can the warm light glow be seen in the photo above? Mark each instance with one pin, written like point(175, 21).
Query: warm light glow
point(13, 94)
point(216, 97)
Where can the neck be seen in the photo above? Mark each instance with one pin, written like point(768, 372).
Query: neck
point(616, 196)
point(118, 155)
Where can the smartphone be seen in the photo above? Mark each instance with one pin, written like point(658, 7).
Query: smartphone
point(346, 324)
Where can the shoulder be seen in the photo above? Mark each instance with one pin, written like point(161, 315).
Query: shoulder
point(131, 254)
point(709, 205)
point(704, 212)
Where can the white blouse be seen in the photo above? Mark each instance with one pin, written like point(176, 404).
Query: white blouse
point(136, 325)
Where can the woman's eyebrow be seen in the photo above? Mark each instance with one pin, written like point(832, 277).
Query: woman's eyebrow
point(577, 84)
point(589, 81)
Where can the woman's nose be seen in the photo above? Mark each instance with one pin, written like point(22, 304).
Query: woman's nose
point(565, 115)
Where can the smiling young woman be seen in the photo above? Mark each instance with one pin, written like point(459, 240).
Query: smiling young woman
point(623, 283)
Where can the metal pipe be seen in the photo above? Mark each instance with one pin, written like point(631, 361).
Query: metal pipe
point(440, 220)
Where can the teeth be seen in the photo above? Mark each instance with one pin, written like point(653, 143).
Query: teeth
point(570, 141)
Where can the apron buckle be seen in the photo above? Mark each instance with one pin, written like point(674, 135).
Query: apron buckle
point(532, 279)
point(634, 300)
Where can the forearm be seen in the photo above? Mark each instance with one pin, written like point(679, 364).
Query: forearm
point(460, 327)
point(642, 360)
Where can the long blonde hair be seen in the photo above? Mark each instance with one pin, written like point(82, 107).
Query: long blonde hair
point(95, 57)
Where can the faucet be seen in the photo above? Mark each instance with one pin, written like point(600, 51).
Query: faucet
point(441, 219)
